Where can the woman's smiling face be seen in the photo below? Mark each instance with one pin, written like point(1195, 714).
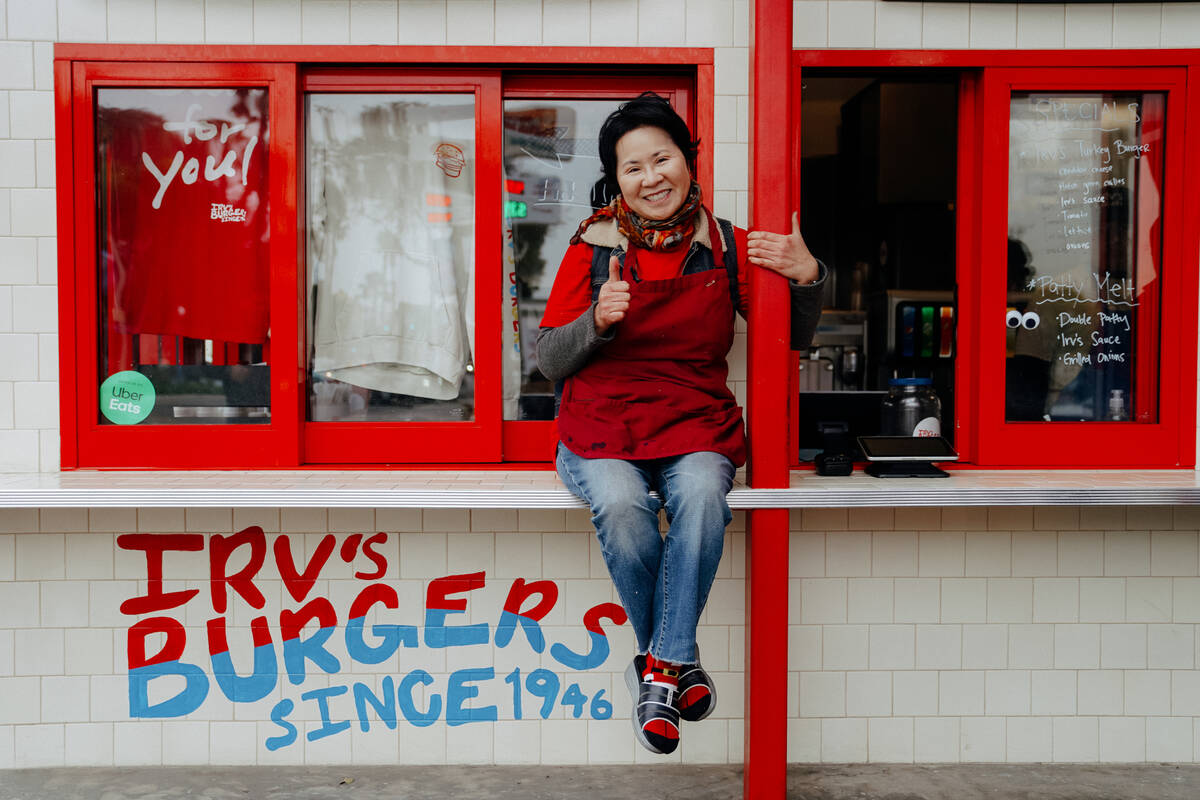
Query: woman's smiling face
point(652, 173)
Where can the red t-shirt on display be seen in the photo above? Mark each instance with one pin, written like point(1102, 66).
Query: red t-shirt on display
point(571, 294)
point(189, 259)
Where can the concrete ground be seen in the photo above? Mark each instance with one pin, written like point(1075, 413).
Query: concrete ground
point(805, 782)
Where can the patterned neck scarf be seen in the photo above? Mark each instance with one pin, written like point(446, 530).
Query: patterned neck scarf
point(649, 234)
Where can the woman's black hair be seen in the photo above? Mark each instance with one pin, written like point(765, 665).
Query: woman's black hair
point(646, 110)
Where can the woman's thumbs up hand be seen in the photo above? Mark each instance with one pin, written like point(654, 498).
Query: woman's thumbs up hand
point(787, 255)
point(613, 300)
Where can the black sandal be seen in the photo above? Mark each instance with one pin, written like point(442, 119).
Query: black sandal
point(697, 694)
point(655, 717)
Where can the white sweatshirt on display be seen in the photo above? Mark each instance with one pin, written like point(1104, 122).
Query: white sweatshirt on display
point(391, 242)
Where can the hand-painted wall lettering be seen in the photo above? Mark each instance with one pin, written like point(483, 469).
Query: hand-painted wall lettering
point(300, 641)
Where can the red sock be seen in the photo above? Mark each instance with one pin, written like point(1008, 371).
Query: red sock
point(694, 694)
point(660, 671)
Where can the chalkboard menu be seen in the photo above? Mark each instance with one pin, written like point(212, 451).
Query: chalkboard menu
point(1085, 182)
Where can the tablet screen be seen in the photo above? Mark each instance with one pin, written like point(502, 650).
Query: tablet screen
point(906, 448)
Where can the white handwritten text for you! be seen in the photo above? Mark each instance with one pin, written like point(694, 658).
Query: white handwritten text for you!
point(189, 171)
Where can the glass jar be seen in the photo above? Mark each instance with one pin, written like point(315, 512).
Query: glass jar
point(911, 408)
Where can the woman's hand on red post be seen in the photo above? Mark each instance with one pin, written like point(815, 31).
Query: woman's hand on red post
point(613, 300)
point(788, 255)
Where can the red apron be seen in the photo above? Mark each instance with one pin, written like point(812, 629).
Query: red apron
point(659, 389)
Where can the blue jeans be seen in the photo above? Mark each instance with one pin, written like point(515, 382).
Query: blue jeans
point(663, 584)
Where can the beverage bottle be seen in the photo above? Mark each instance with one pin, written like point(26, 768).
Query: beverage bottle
point(1116, 405)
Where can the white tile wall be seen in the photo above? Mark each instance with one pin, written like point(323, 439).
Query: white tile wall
point(709, 23)
point(946, 25)
point(229, 21)
point(1029, 739)
point(852, 23)
point(131, 20)
point(994, 25)
point(937, 739)
point(519, 23)
point(941, 553)
point(810, 23)
point(1092, 659)
point(1168, 739)
point(898, 25)
point(984, 646)
point(917, 600)
point(868, 694)
point(1076, 739)
point(1054, 692)
point(1030, 646)
point(982, 739)
point(81, 21)
point(1122, 739)
point(89, 744)
point(6, 390)
point(1171, 647)
point(651, 13)
point(373, 22)
point(32, 20)
point(845, 646)
point(1089, 25)
point(565, 22)
point(843, 740)
point(138, 743)
point(869, 600)
point(471, 21)
point(1179, 26)
point(1137, 25)
point(39, 746)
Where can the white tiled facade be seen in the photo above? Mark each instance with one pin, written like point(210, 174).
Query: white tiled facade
point(1018, 634)
point(922, 634)
point(64, 655)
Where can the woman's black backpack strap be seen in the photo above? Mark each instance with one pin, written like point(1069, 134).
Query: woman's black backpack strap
point(731, 260)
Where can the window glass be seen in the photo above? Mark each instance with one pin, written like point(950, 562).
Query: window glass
point(1084, 244)
point(181, 198)
point(552, 183)
point(391, 252)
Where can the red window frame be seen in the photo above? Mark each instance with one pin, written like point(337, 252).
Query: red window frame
point(85, 442)
point(1128, 444)
point(288, 72)
point(478, 439)
point(982, 437)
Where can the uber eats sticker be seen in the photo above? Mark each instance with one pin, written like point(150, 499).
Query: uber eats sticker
point(126, 398)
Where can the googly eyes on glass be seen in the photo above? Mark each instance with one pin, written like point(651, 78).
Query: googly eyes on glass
point(1030, 320)
point(1013, 320)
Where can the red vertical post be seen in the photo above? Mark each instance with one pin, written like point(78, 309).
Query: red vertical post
point(767, 405)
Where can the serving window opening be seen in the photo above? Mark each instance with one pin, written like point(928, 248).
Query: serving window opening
point(878, 178)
